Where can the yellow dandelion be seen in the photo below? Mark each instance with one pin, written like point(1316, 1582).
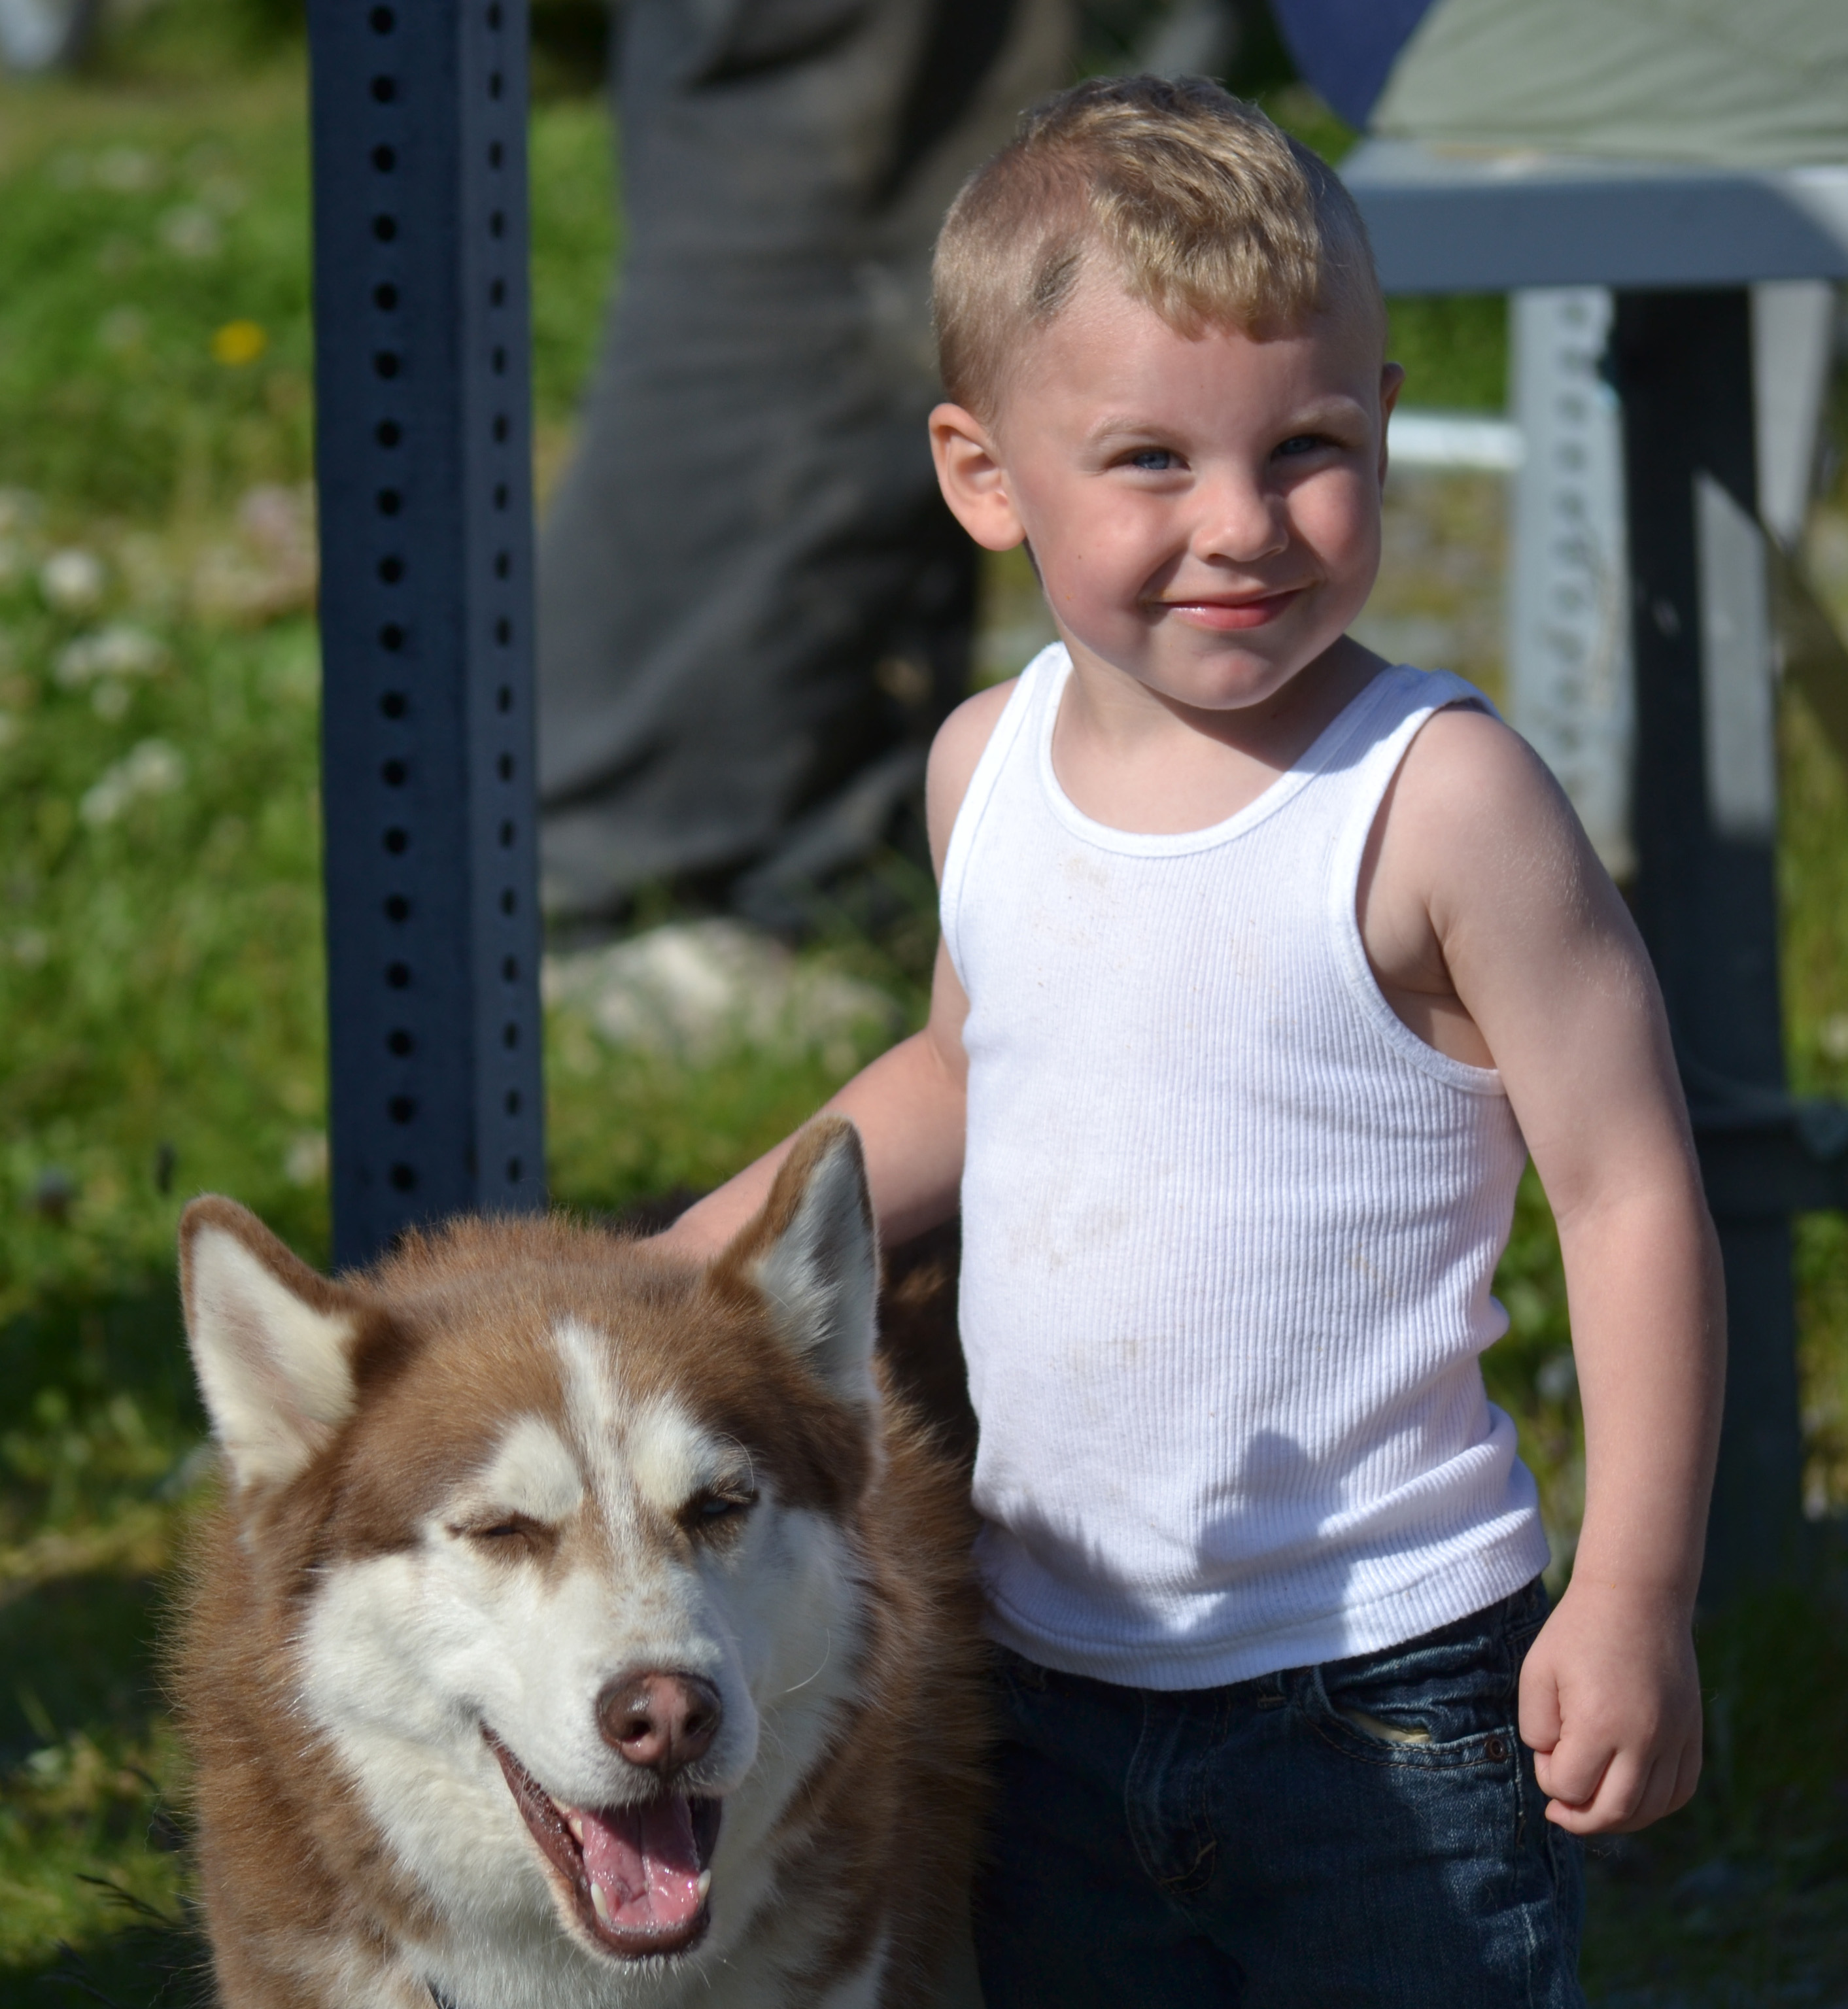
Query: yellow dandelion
point(239, 342)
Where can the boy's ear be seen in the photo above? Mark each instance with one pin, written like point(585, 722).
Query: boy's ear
point(1391, 381)
point(970, 473)
point(270, 1341)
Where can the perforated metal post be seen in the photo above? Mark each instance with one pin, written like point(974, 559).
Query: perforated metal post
point(1569, 669)
point(1706, 893)
point(423, 460)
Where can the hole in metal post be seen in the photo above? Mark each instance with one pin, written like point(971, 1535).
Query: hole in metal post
point(504, 698)
point(383, 159)
point(496, 154)
point(404, 1177)
point(509, 1036)
point(496, 83)
point(386, 363)
point(384, 297)
point(398, 841)
point(383, 20)
point(385, 228)
point(391, 570)
point(510, 969)
point(508, 900)
point(505, 767)
point(401, 1108)
point(503, 564)
point(389, 501)
point(499, 361)
point(393, 704)
point(397, 908)
point(398, 976)
point(512, 1104)
point(384, 89)
point(497, 224)
point(394, 773)
point(499, 494)
point(497, 293)
point(391, 637)
point(389, 432)
point(499, 427)
point(400, 1041)
point(507, 836)
point(503, 632)
point(515, 1168)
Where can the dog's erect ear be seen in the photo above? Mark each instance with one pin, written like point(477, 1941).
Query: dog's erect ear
point(813, 1252)
point(270, 1339)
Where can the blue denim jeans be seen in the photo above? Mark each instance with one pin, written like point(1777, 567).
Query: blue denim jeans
point(1367, 1832)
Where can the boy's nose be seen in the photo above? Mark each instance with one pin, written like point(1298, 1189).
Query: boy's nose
point(1240, 521)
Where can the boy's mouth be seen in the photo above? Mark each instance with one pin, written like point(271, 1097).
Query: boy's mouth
point(1226, 616)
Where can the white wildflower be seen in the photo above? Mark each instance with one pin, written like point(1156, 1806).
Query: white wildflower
point(121, 649)
point(121, 329)
point(190, 231)
point(126, 170)
point(153, 768)
point(72, 580)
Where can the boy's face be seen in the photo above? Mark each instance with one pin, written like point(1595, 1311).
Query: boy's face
point(1204, 512)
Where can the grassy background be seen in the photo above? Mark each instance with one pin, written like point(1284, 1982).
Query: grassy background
point(160, 1000)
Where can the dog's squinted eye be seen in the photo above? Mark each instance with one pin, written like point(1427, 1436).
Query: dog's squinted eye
point(508, 1534)
point(717, 1503)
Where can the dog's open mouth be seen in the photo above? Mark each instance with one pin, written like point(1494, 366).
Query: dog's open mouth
point(640, 1873)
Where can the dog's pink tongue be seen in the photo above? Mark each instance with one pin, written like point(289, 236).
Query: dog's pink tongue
point(643, 1860)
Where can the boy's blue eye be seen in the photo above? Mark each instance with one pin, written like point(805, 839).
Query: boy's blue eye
point(1152, 460)
point(1301, 443)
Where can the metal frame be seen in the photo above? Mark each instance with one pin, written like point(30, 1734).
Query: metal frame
point(423, 458)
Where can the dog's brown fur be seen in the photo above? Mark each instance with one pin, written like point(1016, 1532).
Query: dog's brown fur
point(303, 1901)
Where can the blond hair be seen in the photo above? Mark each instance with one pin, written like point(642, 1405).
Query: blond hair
point(1196, 202)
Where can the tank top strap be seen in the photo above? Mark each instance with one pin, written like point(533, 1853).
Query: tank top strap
point(1036, 686)
point(1387, 716)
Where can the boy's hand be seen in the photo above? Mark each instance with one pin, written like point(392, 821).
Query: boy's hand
point(1610, 1706)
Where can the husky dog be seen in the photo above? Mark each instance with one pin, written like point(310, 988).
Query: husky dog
point(580, 1628)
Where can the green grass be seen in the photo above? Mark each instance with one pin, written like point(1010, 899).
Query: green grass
point(160, 1006)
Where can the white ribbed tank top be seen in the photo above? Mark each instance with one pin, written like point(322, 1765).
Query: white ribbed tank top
point(1229, 1228)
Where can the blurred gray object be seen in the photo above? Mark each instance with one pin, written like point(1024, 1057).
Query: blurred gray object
point(44, 35)
point(753, 607)
point(1757, 86)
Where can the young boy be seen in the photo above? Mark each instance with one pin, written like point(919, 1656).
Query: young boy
point(1264, 966)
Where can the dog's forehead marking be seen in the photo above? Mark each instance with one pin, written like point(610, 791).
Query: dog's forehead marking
point(657, 1450)
point(672, 1457)
point(531, 1472)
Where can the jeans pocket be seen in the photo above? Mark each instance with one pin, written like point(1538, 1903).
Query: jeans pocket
point(1442, 1701)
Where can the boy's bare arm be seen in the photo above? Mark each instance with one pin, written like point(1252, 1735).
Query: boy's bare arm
point(909, 1105)
point(1523, 930)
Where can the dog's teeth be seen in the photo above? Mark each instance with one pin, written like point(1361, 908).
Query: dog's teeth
point(705, 1883)
point(576, 1825)
point(599, 1903)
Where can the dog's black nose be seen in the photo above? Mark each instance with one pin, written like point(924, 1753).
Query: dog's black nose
point(663, 1722)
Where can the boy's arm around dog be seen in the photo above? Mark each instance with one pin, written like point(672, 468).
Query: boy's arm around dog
point(1482, 890)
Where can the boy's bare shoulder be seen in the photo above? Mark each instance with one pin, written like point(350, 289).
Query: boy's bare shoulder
point(958, 746)
point(1474, 812)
